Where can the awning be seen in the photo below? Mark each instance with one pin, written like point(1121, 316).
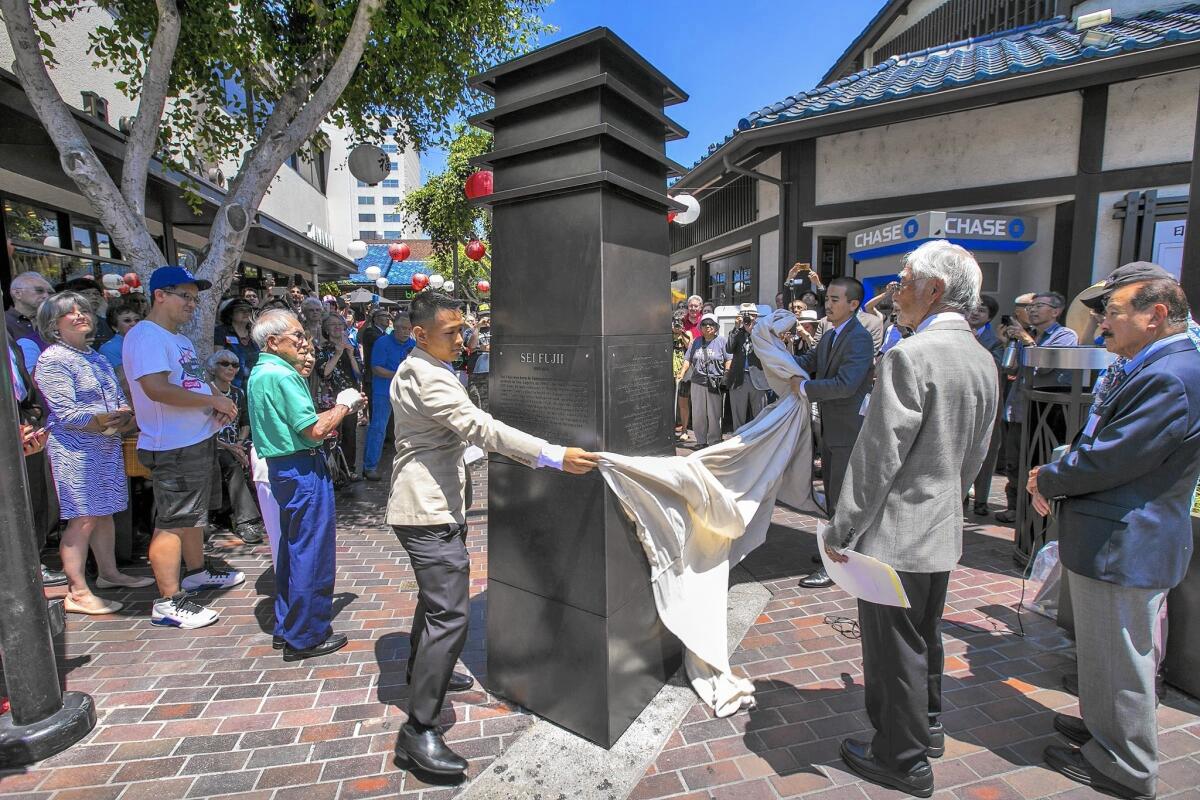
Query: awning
point(982, 232)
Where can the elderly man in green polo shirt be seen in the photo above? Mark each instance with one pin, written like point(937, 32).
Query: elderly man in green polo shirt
point(288, 433)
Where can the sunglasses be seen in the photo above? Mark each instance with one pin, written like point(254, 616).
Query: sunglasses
point(228, 364)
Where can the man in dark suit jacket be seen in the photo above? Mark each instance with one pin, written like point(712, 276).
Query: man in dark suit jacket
point(980, 319)
point(841, 366)
point(1125, 491)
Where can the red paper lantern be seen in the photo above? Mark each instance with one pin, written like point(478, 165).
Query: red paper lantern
point(124, 288)
point(132, 280)
point(479, 184)
point(420, 280)
point(484, 287)
point(398, 251)
point(475, 250)
point(671, 216)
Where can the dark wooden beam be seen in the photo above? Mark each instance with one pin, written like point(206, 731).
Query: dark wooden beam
point(1087, 189)
point(1190, 276)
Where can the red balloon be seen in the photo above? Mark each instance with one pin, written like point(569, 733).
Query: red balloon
point(124, 288)
point(671, 215)
point(479, 184)
point(420, 280)
point(398, 251)
point(484, 287)
point(475, 250)
point(132, 280)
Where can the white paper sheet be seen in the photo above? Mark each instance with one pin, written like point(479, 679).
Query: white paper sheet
point(864, 577)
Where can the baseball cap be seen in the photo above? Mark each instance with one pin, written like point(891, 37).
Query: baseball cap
point(1095, 296)
point(709, 318)
point(164, 277)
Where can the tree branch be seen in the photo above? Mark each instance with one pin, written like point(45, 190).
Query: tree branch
point(78, 159)
point(151, 102)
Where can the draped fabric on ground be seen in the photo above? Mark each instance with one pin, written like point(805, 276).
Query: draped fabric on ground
point(698, 514)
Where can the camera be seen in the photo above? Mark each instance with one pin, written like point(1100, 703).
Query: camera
point(1005, 320)
point(747, 318)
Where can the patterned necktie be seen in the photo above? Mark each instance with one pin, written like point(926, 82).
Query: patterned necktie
point(1109, 382)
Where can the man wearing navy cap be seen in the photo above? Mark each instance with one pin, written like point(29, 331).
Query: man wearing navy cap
point(178, 415)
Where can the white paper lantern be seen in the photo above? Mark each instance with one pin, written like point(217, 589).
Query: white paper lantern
point(373, 273)
point(436, 281)
point(693, 209)
point(448, 287)
point(369, 163)
point(382, 283)
point(357, 249)
point(111, 281)
point(51, 241)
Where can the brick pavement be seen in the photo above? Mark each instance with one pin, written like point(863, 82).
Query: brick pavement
point(216, 712)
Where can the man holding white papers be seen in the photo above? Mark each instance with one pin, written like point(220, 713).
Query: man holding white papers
point(923, 440)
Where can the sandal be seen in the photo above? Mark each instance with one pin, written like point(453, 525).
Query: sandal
point(110, 607)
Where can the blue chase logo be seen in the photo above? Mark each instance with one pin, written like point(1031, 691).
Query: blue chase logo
point(1016, 228)
point(910, 228)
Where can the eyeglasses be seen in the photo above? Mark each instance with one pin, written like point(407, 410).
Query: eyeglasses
point(1041, 305)
point(296, 336)
point(228, 364)
point(190, 299)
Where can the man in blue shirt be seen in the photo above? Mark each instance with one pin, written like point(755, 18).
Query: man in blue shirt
point(386, 356)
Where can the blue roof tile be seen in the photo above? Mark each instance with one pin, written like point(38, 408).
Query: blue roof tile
point(1030, 48)
point(398, 273)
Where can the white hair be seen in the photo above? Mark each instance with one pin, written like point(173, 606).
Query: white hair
point(272, 322)
point(954, 266)
point(211, 363)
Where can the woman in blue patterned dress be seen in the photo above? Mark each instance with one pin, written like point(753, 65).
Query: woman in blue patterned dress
point(88, 414)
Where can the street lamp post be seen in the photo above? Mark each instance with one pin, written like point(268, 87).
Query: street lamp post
point(43, 720)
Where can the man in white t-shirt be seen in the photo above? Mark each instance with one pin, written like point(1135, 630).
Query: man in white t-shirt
point(179, 415)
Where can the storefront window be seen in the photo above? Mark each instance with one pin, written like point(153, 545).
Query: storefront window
point(25, 222)
point(90, 238)
point(743, 286)
point(57, 268)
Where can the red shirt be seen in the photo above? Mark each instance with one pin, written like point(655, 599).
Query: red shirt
point(692, 326)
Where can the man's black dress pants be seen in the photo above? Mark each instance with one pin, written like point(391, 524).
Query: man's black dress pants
point(902, 669)
point(438, 554)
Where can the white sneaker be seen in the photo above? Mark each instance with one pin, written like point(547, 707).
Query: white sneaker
point(211, 578)
point(179, 612)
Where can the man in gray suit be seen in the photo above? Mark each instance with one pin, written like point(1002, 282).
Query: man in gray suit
point(924, 437)
point(841, 366)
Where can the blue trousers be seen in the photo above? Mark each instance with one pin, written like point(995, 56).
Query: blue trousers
point(381, 415)
point(305, 563)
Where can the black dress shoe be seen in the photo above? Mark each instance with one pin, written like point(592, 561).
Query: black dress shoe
point(277, 642)
point(333, 643)
point(52, 577)
point(918, 781)
point(1070, 762)
point(817, 580)
point(427, 751)
point(459, 681)
point(937, 741)
point(1072, 728)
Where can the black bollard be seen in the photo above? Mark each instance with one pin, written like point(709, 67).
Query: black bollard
point(43, 720)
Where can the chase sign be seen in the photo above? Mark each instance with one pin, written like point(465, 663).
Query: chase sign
point(985, 232)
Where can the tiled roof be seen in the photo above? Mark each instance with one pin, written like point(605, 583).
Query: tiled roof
point(398, 273)
point(1052, 43)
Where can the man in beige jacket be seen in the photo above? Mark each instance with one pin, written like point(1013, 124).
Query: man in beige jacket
point(435, 421)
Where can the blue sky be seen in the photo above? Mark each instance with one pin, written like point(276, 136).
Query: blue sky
point(730, 57)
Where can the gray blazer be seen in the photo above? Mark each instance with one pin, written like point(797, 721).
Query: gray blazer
point(841, 373)
point(923, 440)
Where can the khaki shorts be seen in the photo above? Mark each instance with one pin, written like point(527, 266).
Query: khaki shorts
point(182, 483)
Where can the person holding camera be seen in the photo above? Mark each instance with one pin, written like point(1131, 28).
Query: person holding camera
point(681, 342)
point(704, 365)
point(747, 382)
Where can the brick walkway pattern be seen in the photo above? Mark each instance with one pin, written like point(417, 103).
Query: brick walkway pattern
point(218, 713)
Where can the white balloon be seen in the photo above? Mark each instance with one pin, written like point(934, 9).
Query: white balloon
point(111, 281)
point(357, 249)
point(382, 283)
point(436, 281)
point(373, 272)
point(693, 209)
point(448, 286)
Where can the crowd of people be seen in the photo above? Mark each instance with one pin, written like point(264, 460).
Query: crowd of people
point(114, 397)
point(915, 393)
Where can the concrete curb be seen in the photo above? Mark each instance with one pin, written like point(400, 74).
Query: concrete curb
point(547, 762)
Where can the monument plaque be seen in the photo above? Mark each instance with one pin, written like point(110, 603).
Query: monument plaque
point(581, 356)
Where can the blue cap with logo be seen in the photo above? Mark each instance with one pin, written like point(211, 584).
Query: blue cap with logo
point(166, 277)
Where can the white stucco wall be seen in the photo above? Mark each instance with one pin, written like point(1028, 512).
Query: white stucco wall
point(915, 12)
point(1151, 121)
point(768, 193)
point(1013, 142)
point(768, 267)
point(1108, 230)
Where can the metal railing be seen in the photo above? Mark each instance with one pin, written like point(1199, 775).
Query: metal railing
point(724, 210)
point(956, 20)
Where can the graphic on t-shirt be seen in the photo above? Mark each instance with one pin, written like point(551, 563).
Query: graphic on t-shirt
point(193, 372)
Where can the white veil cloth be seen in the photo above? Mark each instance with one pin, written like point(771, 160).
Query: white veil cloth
point(696, 515)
